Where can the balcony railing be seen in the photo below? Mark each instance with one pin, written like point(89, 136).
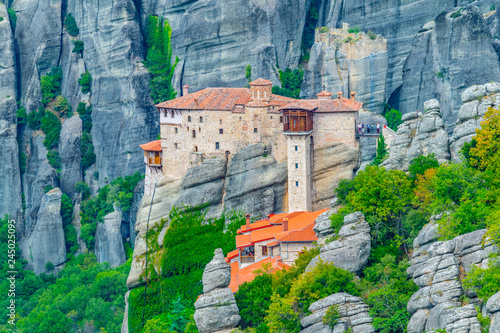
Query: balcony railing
point(247, 259)
point(363, 131)
point(154, 161)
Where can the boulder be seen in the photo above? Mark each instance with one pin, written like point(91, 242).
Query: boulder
point(46, 243)
point(351, 248)
point(108, 240)
point(216, 309)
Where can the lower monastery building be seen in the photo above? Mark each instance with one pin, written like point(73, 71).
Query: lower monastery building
point(218, 122)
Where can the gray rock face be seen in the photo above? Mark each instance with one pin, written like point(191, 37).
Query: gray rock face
point(419, 135)
point(212, 38)
point(138, 194)
point(351, 249)
point(352, 309)
point(435, 268)
point(216, 309)
point(72, 66)
point(339, 66)
point(493, 309)
point(70, 153)
point(46, 242)
point(38, 175)
point(10, 180)
point(476, 101)
point(123, 114)
point(108, 240)
point(448, 55)
point(330, 165)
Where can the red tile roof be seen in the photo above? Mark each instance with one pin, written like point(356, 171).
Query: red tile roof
point(232, 254)
point(260, 82)
point(273, 244)
point(304, 235)
point(324, 105)
point(152, 146)
point(324, 93)
point(210, 99)
point(243, 240)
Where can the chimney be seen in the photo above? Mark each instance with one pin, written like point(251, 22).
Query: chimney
point(247, 218)
point(339, 94)
point(353, 94)
point(285, 224)
point(185, 90)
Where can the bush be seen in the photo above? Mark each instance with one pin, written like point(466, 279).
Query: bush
point(35, 118)
point(419, 165)
point(382, 152)
point(485, 282)
point(54, 159)
point(21, 114)
point(291, 82)
point(84, 189)
point(354, 30)
point(1, 18)
point(79, 47)
point(51, 85)
point(253, 299)
point(372, 35)
point(456, 14)
point(85, 81)
point(49, 266)
point(248, 73)
point(332, 316)
point(87, 149)
point(22, 160)
point(393, 118)
point(63, 107)
point(51, 126)
point(12, 18)
point(70, 25)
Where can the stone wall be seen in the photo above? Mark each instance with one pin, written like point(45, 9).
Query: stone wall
point(290, 251)
point(299, 172)
point(335, 127)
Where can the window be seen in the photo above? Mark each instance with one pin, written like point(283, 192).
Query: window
point(296, 183)
point(176, 130)
point(201, 119)
point(255, 117)
point(240, 118)
point(220, 121)
point(172, 114)
point(281, 119)
point(296, 165)
point(271, 117)
point(194, 134)
point(296, 148)
point(189, 119)
point(264, 250)
point(175, 145)
point(196, 149)
point(216, 145)
point(255, 130)
point(221, 131)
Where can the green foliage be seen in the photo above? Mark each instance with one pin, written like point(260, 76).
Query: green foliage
point(386, 290)
point(70, 25)
point(21, 114)
point(382, 151)
point(440, 75)
point(248, 73)
point(87, 149)
point(61, 105)
point(188, 246)
point(371, 35)
point(51, 85)
point(35, 118)
point(84, 189)
point(49, 266)
point(419, 165)
point(47, 188)
point(253, 299)
point(338, 219)
point(79, 47)
point(93, 210)
point(291, 82)
point(12, 18)
point(309, 29)
point(22, 160)
point(332, 316)
point(86, 296)
point(343, 189)
point(486, 282)
point(456, 14)
point(492, 7)
point(281, 316)
point(69, 229)
point(354, 30)
point(393, 118)
point(85, 81)
point(484, 321)
point(1, 18)
point(159, 59)
point(54, 159)
point(51, 126)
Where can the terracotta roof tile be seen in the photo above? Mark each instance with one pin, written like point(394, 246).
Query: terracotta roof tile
point(232, 254)
point(246, 274)
point(152, 146)
point(273, 244)
point(324, 93)
point(265, 233)
point(243, 240)
point(260, 82)
point(210, 99)
point(304, 235)
point(325, 105)
point(254, 226)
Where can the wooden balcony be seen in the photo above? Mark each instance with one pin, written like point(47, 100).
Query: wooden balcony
point(247, 259)
point(154, 161)
point(297, 121)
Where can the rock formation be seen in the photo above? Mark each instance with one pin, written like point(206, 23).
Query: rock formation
point(343, 61)
point(419, 135)
point(216, 309)
point(10, 180)
point(435, 268)
point(351, 248)
point(69, 151)
point(353, 315)
point(46, 242)
point(477, 100)
point(108, 239)
point(448, 54)
point(493, 309)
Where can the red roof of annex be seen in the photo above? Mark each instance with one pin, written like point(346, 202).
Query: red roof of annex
point(152, 146)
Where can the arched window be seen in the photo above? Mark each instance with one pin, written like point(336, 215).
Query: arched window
point(176, 130)
point(196, 149)
point(189, 119)
point(194, 134)
point(175, 145)
point(201, 119)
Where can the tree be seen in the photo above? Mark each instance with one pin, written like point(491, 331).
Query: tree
point(70, 25)
point(419, 165)
point(393, 118)
point(85, 82)
point(51, 126)
point(291, 82)
point(51, 85)
point(382, 152)
point(253, 299)
point(487, 141)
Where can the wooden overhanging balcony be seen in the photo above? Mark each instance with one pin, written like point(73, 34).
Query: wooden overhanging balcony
point(297, 121)
point(154, 161)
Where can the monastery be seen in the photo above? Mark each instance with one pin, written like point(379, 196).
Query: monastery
point(218, 122)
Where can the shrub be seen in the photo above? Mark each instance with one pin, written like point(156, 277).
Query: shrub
point(87, 149)
point(253, 299)
point(79, 47)
point(354, 30)
point(12, 18)
point(456, 14)
point(35, 118)
point(419, 165)
point(51, 126)
point(54, 159)
point(440, 74)
point(47, 188)
point(372, 35)
point(51, 85)
point(291, 82)
point(21, 114)
point(393, 118)
point(485, 282)
point(84, 189)
point(85, 81)
point(70, 25)
point(63, 107)
point(332, 316)
point(248, 73)
point(1, 18)
point(49, 266)
point(492, 7)
point(486, 149)
point(382, 152)
point(22, 160)
point(343, 189)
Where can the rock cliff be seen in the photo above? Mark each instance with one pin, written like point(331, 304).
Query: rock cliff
point(419, 135)
point(70, 153)
point(436, 267)
point(216, 308)
point(108, 239)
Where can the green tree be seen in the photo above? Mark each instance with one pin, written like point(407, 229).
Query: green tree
point(253, 299)
point(51, 85)
point(248, 73)
point(85, 81)
point(79, 47)
point(35, 118)
point(382, 152)
point(393, 118)
point(70, 25)
point(54, 159)
point(419, 165)
point(291, 82)
point(51, 126)
point(12, 18)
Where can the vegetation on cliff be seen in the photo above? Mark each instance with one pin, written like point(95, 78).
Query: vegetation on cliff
point(291, 81)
